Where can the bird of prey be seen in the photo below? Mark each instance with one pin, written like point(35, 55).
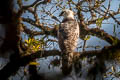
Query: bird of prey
point(68, 35)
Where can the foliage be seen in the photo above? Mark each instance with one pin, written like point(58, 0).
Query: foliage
point(34, 44)
point(39, 20)
point(99, 22)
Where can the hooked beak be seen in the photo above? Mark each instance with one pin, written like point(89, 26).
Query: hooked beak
point(61, 14)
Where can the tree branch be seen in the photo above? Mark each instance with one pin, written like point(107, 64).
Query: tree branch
point(106, 53)
point(45, 29)
point(98, 33)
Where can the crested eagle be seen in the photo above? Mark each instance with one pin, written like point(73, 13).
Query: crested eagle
point(68, 35)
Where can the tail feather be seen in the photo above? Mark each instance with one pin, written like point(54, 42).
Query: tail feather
point(67, 60)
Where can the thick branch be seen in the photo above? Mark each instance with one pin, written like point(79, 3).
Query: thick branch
point(6, 72)
point(98, 33)
point(94, 31)
point(105, 53)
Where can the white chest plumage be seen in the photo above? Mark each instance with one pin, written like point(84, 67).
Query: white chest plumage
point(68, 36)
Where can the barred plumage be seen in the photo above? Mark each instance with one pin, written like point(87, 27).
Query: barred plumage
point(68, 35)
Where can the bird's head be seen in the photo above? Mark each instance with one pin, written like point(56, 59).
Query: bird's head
point(66, 13)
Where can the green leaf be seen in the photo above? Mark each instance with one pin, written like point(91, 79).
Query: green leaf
point(87, 37)
point(114, 29)
point(34, 63)
point(115, 41)
point(99, 21)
